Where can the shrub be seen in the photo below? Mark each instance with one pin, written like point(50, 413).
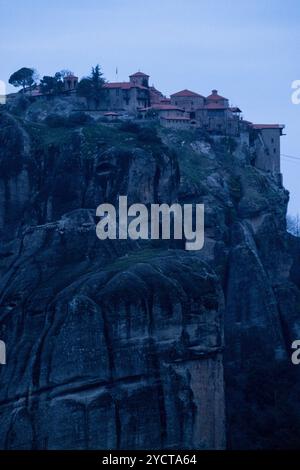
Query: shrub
point(78, 118)
point(56, 120)
point(19, 104)
point(73, 120)
point(130, 126)
point(149, 135)
point(144, 134)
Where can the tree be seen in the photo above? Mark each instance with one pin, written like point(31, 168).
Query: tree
point(24, 77)
point(52, 85)
point(92, 87)
point(64, 73)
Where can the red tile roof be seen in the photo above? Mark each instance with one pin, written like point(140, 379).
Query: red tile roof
point(186, 93)
point(156, 94)
point(123, 85)
point(139, 74)
point(268, 126)
point(163, 107)
point(215, 97)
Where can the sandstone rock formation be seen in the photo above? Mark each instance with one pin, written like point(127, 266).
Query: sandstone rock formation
point(120, 344)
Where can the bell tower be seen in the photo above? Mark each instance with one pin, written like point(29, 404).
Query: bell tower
point(139, 79)
point(70, 82)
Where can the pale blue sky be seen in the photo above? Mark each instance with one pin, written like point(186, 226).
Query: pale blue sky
point(248, 50)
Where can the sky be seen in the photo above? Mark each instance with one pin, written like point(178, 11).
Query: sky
point(248, 50)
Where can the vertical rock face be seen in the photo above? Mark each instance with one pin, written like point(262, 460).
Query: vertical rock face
point(261, 322)
point(111, 344)
point(120, 344)
point(119, 357)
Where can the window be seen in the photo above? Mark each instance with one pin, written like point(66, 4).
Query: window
point(274, 150)
point(272, 140)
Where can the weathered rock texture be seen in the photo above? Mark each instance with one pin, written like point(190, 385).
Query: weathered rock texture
point(120, 344)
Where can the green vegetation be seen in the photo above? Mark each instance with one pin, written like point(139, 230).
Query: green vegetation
point(11, 146)
point(92, 87)
point(24, 77)
point(57, 129)
point(78, 118)
point(52, 85)
point(149, 135)
point(130, 126)
point(107, 135)
point(194, 165)
point(134, 257)
point(45, 135)
point(123, 135)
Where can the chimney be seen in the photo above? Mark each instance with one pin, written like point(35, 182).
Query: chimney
point(214, 92)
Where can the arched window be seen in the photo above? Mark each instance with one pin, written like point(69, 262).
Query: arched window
point(2, 352)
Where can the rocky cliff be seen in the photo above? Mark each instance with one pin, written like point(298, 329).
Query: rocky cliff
point(141, 344)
